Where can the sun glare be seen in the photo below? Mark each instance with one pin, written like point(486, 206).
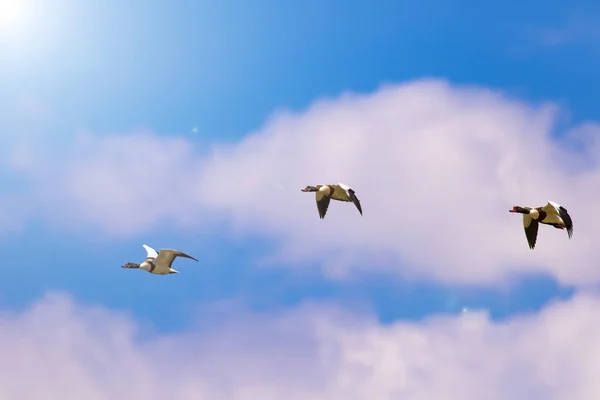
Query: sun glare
point(13, 16)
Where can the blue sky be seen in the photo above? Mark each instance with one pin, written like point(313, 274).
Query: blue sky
point(210, 60)
point(209, 75)
point(223, 70)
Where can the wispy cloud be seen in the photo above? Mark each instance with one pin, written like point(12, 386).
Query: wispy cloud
point(577, 29)
point(72, 351)
point(437, 168)
point(125, 183)
point(32, 107)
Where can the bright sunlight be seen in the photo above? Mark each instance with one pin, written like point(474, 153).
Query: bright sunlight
point(14, 15)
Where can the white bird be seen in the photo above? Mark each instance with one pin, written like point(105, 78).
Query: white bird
point(159, 263)
point(324, 194)
point(551, 214)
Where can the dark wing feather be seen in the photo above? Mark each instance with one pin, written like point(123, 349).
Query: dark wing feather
point(531, 231)
point(182, 254)
point(355, 200)
point(167, 256)
point(564, 215)
point(322, 206)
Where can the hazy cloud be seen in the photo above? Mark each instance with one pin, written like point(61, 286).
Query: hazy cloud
point(436, 167)
point(72, 351)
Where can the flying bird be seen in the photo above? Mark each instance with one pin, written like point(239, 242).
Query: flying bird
point(551, 214)
point(159, 263)
point(324, 194)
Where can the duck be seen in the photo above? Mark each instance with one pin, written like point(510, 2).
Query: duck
point(160, 262)
point(340, 192)
point(551, 214)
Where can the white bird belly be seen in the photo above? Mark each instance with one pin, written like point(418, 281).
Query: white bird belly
point(145, 266)
point(534, 214)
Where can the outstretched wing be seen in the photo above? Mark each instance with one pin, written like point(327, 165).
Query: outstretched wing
point(355, 200)
point(151, 253)
point(564, 215)
point(167, 256)
point(551, 208)
point(322, 203)
point(531, 230)
point(340, 192)
point(346, 194)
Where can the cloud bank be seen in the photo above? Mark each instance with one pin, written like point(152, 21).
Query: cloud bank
point(437, 167)
point(58, 349)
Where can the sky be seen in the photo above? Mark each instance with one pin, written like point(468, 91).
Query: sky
point(193, 125)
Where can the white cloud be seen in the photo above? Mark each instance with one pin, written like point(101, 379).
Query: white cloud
point(122, 183)
point(436, 167)
point(61, 350)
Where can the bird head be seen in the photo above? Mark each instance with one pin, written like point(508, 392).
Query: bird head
point(519, 209)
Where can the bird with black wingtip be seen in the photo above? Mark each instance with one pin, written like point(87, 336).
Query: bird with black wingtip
point(551, 214)
point(340, 192)
point(158, 263)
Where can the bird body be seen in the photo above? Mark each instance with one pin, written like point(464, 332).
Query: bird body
point(159, 263)
point(340, 192)
point(551, 214)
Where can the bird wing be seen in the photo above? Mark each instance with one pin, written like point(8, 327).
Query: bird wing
point(531, 230)
point(150, 251)
point(167, 256)
point(552, 208)
point(322, 203)
point(346, 193)
point(564, 215)
point(340, 192)
point(355, 200)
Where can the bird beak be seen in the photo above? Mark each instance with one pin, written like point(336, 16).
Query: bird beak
point(304, 190)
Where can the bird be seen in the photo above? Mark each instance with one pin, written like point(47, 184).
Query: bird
point(551, 214)
point(159, 263)
point(324, 194)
